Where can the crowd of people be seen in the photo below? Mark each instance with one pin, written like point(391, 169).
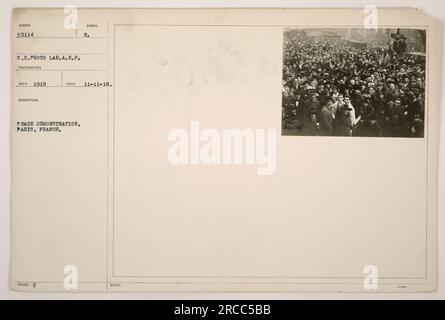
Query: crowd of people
point(346, 88)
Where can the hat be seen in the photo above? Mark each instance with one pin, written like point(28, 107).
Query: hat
point(312, 111)
point(397, 35)
point(346, 107)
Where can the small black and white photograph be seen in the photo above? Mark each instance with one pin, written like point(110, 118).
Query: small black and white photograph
point(354, 82)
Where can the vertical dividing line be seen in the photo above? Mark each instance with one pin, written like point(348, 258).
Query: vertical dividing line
point(426, 113)
point(114, 132)
point(108, 146)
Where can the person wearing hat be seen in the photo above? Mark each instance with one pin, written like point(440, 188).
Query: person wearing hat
point(327, 118)
point(385, 124)
point(417, 128)
point(392, 92)
point(369, 128)
point(399, 126)
point(414, 106)
point(399, 43)
point(343, 123)
point(312, 127)
point(357, 101)
point(311, 104)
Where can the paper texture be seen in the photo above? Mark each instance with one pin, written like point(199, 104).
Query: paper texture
point(122, 178)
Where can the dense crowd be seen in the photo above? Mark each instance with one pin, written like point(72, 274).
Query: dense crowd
point(345, 88)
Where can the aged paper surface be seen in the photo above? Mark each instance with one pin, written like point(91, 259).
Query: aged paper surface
point(122, 178)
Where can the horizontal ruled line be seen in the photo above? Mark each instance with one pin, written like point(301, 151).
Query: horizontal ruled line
point(62, 38)
point(62, 86)
point(67, 53)
point(102, 70)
